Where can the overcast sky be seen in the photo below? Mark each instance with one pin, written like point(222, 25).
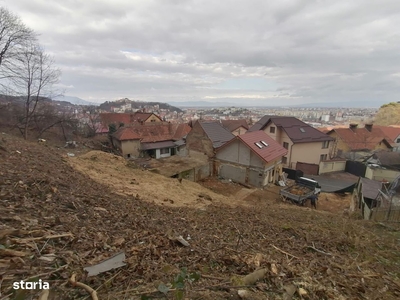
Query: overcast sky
point(255, 52)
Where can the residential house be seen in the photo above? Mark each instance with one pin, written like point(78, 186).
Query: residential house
point(151, 139)
point(236, 127)
point(252, 158)
point(305, 144)
point(206, 137)
point(128, 118)
point(353, 141)
point(393, 133)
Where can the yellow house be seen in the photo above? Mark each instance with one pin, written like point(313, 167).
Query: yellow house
point(354, 139)
point(304, 143)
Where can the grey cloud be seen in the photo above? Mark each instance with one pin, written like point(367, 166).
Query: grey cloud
point(316, 49)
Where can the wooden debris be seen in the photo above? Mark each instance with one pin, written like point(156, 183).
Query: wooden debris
point(10, 253)
point(44, 295)
point(319, 251)
point(284, 252)
point(91, 291)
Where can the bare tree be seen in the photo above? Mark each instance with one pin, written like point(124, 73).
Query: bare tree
point(31, 76)
point(91, 121)
point(13, 35)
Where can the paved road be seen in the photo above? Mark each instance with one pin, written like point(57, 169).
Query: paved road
point(330, 185)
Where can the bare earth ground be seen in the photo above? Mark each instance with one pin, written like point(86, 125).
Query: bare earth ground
point(55, 220)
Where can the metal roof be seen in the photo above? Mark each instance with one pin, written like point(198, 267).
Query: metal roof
point(268, 153)
point(297, 131)
point(370, 188)
point(216, 133)
point(157, 145)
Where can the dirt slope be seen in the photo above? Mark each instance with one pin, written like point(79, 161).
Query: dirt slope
point(124, 179)
point(54, 220)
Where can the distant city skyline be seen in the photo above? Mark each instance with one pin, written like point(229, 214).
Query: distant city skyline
point(256, 53)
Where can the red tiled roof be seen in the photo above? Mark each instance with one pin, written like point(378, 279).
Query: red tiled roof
point(232, 125)
point(268, 153)
point(389, 131)
point(361, 138)
point(126, 118)
point(152, 132)
point(182, 130)
point(125, 134)
point(297, 131)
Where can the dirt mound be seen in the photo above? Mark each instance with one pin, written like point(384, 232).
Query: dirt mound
point(55, 220)
point(125, 179)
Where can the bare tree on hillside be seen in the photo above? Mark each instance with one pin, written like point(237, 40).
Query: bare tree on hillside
point(92, 123)
point(31, 76)
point(13, 35)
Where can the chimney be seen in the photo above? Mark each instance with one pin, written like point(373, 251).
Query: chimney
point(353, 126)
point(368, 127)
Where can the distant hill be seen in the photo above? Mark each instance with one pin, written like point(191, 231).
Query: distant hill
point(137, 105)
point(201, 104)
point(74, 100)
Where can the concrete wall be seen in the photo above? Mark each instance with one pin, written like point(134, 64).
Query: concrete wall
point(236, 173)
point(197, 140)
point(239, 153)
point(332, 166)
point(130, 147)
point(182, 151)
point(381, 174)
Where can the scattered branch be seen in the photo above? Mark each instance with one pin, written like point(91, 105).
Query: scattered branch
point(91, 291)
point(284, 252)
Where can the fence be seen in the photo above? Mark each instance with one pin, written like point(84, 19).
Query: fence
point(355, 168)
point(332, 166)
point(385, 214)
point(306, 168)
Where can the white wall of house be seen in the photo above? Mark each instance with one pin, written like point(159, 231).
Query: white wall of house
point(164, 152)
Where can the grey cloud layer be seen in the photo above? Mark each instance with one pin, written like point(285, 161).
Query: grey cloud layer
point(313, 50)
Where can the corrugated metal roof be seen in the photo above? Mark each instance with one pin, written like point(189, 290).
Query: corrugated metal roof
point(370, 188)
point(216, 133)
point(268, 153)
point(297, 131)
point(157, 145)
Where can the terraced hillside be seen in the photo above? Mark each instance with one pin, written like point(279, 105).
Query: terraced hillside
point(56, 218)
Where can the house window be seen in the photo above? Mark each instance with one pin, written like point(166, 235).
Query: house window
point(398, 140)
point(272, 129)
point(164, 151)
point(323, 157)
point(284, 160)
point(325, 144)
point(285, 145)
point(128, 155)
point(152, 120)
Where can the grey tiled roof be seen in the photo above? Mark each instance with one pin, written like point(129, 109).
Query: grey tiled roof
point(216, 133)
